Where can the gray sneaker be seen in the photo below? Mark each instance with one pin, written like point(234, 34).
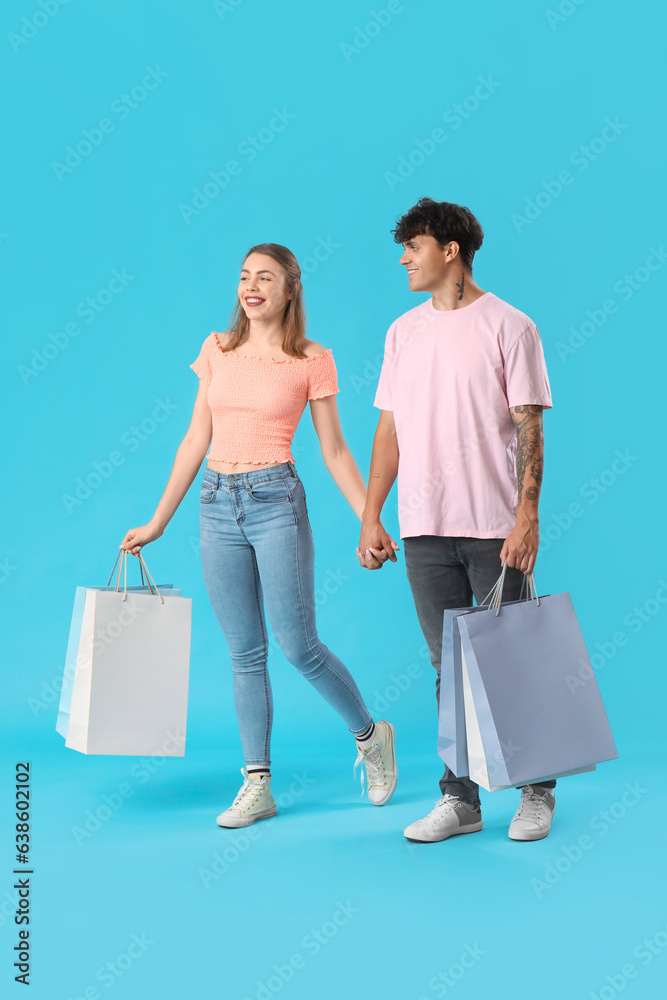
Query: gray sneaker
point(450, 816)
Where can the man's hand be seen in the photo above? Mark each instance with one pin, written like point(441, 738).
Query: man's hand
point(375, 546)
point(521, 545)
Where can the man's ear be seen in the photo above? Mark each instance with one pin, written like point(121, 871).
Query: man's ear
point(452, 250)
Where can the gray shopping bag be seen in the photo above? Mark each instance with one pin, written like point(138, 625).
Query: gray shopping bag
point(531, 724)
point(452, 743)
point(452, 736)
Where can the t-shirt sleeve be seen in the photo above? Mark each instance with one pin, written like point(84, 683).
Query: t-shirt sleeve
point(202, 364)
point(526, 379)
point(383, 396)
point(322, 376)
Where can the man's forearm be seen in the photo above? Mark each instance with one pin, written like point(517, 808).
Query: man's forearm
point(529, 459)
point(383, 472)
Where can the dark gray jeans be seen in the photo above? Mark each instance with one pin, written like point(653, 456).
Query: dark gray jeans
point(446, 572)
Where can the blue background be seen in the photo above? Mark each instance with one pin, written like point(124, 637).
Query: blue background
point(360, 100)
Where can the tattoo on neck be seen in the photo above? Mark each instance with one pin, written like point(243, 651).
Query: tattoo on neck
point(461, 286)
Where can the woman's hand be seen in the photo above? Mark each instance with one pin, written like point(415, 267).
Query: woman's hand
point(136, 537)
point(375, 545)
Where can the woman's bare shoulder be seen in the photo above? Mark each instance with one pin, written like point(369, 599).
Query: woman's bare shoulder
point(312, 348)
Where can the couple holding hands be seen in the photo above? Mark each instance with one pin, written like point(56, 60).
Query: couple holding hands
point(461, 393)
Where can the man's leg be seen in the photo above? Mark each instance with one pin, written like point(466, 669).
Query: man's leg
point(438, 580)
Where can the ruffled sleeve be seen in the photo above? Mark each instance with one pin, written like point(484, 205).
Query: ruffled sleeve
point(322, 376)
point(202, 365)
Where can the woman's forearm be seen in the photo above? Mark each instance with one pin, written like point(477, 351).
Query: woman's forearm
point(189, 457)
point(346, 475)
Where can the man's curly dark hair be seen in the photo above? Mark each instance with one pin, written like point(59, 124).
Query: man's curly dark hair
point(444, 221)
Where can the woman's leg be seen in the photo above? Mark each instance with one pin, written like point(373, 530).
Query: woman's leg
point(233, 585)
point(283, 542)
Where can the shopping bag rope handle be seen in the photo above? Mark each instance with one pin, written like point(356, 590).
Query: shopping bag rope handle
point(142, 567)
point(495, 595)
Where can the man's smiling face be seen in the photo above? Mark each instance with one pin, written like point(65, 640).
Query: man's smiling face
point(425, 262)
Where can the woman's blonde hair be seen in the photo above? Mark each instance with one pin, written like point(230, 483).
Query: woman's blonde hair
point(294, 317)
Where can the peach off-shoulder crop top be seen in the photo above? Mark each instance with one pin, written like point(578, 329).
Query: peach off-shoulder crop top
point(257, 402)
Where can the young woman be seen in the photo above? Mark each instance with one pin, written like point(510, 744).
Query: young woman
point(256, 540)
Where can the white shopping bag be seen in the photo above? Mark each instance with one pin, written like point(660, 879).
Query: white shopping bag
point(62, 722)
point(130, 687)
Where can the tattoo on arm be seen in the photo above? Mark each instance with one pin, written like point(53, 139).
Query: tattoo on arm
point(529, 451)
point(461, 285)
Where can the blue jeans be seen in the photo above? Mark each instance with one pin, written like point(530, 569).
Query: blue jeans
point(257, 547)
point(446, 572)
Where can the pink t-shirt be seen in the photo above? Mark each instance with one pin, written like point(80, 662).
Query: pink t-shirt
point(450, 378)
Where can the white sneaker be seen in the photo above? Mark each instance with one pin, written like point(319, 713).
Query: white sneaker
point(254, 801)
point(379, 760)
point(450, 816)
point(532, 820)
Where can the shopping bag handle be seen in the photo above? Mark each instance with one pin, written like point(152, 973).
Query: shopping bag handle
point(496, 593)
point(142, 567)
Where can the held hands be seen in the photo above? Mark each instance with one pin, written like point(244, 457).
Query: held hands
point(375, 546)
point(136, 537)
point(521, 545)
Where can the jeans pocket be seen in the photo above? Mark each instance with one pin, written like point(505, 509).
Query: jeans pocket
point(207, 493)
point(273, 490)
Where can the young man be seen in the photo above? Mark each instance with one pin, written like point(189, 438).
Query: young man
point(461, 390)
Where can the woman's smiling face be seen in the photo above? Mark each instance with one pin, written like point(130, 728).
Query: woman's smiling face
point(263, 287)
